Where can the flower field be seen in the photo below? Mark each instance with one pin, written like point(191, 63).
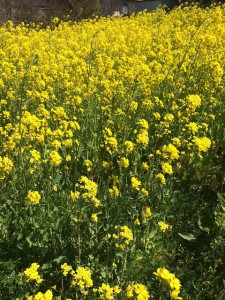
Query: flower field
point(112, 154)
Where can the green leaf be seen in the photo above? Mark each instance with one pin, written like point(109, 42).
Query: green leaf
point(59, 259)
point(221, 199)
point(29, 241)
point(26, 101)
point(205, 221)
point(152, 234)
point(57, 178)
point(103, 273)
point(187, 236)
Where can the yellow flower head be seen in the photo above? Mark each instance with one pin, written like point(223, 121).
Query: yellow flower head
point(137, 290)
point(135, 183)
point(33, 197)
point(94, 218)
point(203, 144)
point(32, 273)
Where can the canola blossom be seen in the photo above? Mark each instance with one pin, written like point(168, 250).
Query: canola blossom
point(170, 280)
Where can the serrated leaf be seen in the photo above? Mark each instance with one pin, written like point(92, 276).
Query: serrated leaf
point(187, 236)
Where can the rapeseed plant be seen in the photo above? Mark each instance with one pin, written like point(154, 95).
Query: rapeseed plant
point(103, 123)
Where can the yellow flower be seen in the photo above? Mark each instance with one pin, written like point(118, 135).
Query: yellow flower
point(143, 123)
point(6, 166)
point(169, 117)
point(75, 219)
point(106, 164)
point(142, 138)
point(66, 268)
point(115, 179)
point(56, 144)
point(35, 156)
point(129, 146)
point(170, 280)
point(146, 213)
point(43, 296)
point(170, 152)
point(175, 295)
point(144, 192)
point(55, 158)
point(164, 227)
point(117, 289)
point(127, 234)
point(193, 127)
point(82, 278)
point(161, 178)
point(114, 192)
point(164, 274)
point(106, 292)
point(167, 168)
point(74, 195)
point(137, 222)
point(33, 197)
point(203, 144)
point(68, 157)
point(145, 166)
point(124, 162)
point(88, 164)
point(94, 218)
point(124, 237)
point(176, 141)
point(138, 290)
point(133, 106)
point(193, 101)
point(111, 144)
point(88, 187)
point(135, 183)
point(32, 273)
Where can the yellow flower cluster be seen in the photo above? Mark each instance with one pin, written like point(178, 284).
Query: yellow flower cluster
point(88, 190)
point(124, 237)
point(137, 291)
point(135, 183)
point(164, 227)
point(33, 197)
point(55, 158)
point(106, 292)
point(6, 166)
point(88, 164)
point(111, 142)
point(161, 178)
point(203, 144)
point(193, 101)
point(66, 269)
point(82, 278)
point(146, 213)
point(32, 273)
point(124, 162)
point(170, 280)
point(42, 296)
